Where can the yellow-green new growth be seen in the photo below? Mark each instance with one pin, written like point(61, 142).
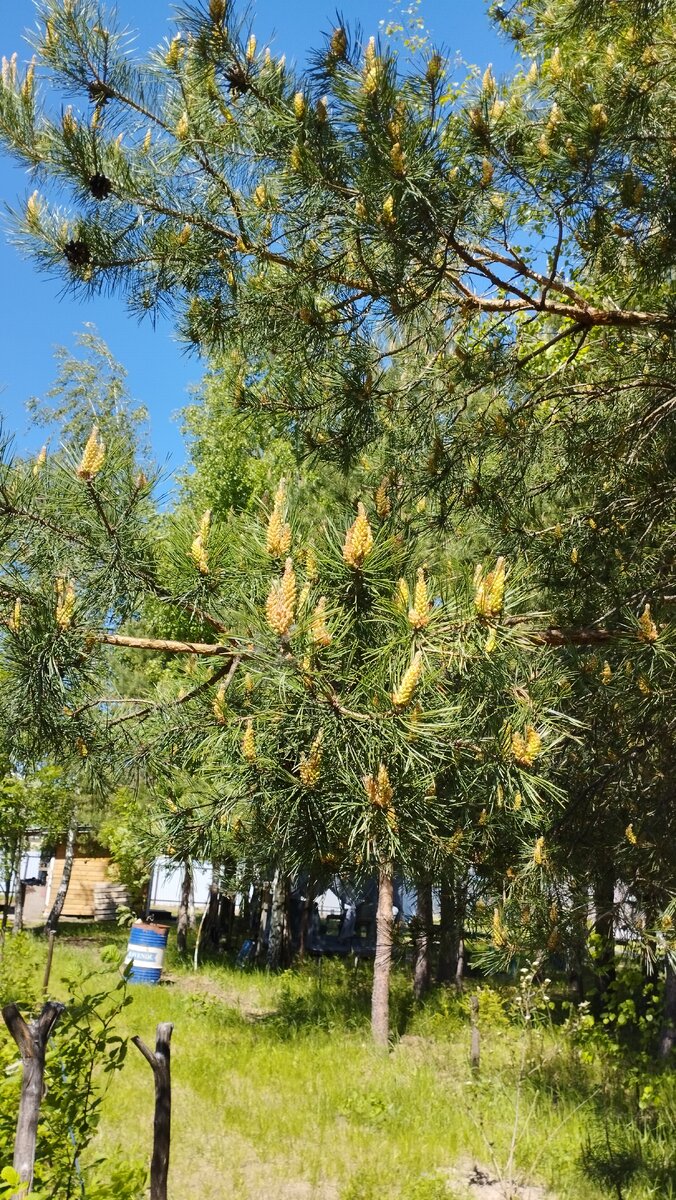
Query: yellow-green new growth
point(310, 765)
point(219, 706)
point(379, 789)
point(320, 634)
point(647, 629)
point(525, 749)
point(404, 693)
point(281, 601)
point(278, 536)
point(249, 742)
point(65, 602)
point(489, 590)
point(419, 613)
point(359, 539)
point(198, 548)
point(93, 456)
point(14, 622)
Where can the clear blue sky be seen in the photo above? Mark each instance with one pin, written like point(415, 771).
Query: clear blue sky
point(36, 316)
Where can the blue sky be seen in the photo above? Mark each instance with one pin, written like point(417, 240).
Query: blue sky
point(36, 315)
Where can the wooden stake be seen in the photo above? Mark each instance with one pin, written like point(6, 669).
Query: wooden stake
point(31, 1038)
point(160, 1063)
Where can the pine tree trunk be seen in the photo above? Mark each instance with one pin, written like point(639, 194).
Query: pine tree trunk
point(447, 962)
point(668, 1032)
point(183, 916)
point(604, 928)
point(422, 973)
point(276, 941)
point(226, 917)
point(210, 931)
point(380, 996)
point(19, 889)
point(52, 922)
point(305, 923)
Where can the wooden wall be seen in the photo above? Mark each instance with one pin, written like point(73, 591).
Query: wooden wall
point(86, 872)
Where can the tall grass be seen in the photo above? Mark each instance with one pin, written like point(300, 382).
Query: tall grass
point(279, 1093)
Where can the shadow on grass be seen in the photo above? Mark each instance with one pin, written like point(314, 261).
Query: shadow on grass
point(618, 1156)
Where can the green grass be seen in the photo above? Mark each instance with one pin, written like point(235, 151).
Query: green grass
point(278, 1093)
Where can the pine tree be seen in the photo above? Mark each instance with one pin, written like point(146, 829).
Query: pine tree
point(476, 282)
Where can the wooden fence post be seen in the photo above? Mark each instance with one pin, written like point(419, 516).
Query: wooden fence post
point(160, 1063)
point(31, 1038)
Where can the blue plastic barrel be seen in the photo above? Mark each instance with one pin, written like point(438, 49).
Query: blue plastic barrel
point(147, 945)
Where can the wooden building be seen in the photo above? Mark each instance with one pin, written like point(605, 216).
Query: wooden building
point(90, 884)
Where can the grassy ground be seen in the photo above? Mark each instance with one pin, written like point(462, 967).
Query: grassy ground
point(279, 1095)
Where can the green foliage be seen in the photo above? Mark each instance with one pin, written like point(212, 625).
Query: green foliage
point(9, 1182)
point(19, 957)
point(120, 832)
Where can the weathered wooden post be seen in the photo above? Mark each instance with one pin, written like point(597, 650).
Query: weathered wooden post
point(475, 1046)
point(160, 1063)
point(31, 1037)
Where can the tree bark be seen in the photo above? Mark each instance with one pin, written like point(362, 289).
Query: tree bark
point(604, 928)
point(160, 1062)
point(31, 1038)
point(668, 1032)
point(275, 956)
point(422, 972)
point(52, 922)
point(19, 889)
point(183, 915)
point(380, 996)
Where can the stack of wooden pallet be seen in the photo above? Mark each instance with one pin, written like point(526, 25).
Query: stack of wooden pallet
point(107, 899)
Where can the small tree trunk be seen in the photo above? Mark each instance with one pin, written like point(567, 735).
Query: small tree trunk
point(475, 1041)
point(48, 964)
point(31, 1038)
point(183, 916)
point(305, 923)
point(191, 903)
point(668, 1032)
point(5, 906)
point(604, 928)
point(226, 918)
point(276, 940)
point(210, 928)
point(52, 922)
point(380, 996)
point(263, 922)
point(446, 965)
point(160, 1062)
point(422, 973)
point(460, 964)
point(19, 889)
